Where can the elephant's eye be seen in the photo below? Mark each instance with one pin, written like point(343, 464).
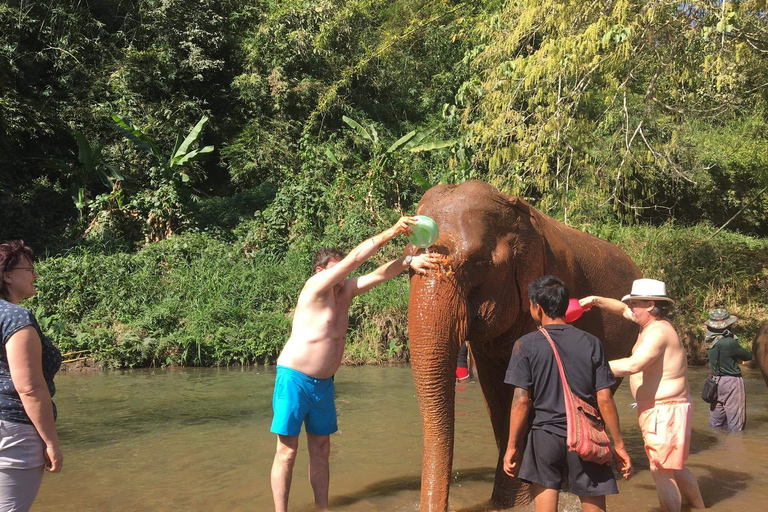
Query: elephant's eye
point(476, 265)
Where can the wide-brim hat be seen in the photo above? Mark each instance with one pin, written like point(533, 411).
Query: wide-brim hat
point(720, 319)
point(648, 289)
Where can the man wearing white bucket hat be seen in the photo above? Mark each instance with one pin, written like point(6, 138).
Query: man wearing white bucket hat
point(658, 379)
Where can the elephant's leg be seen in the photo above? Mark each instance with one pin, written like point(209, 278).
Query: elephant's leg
point(491, 369)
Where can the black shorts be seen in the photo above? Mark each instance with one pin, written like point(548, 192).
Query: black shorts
point(547, 462)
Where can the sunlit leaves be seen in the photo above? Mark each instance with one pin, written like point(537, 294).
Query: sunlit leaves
point(589, 95)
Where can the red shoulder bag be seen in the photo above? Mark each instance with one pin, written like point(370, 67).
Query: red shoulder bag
point(586, 429)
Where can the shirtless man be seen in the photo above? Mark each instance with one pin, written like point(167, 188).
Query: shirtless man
point(304, 390)
point(657, 371)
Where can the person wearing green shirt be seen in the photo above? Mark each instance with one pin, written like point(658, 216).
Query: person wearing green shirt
point(724, 352)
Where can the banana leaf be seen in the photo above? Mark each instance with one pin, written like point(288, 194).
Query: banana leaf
point(357, 126)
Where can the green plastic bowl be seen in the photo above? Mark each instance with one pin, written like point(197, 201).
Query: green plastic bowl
point(424, 232)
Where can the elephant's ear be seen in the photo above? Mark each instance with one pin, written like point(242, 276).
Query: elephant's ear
point(529, 249)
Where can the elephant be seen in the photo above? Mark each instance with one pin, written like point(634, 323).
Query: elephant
point(492, 247)
point(760, 351)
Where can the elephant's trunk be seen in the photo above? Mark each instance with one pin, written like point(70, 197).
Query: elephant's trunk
point(436, 325)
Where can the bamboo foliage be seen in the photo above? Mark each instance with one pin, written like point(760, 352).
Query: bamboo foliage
point(598, 94)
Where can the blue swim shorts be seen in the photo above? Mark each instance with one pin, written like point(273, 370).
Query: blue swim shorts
point(299, 398)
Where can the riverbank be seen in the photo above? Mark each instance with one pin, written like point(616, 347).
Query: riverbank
point(198, 300)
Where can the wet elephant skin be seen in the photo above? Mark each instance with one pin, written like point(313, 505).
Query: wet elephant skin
point(760, 350)
point(494, 246)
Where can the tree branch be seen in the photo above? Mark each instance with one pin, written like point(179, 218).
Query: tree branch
point(739, 212)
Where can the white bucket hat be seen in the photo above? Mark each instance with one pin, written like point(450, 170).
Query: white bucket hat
point(648, 289)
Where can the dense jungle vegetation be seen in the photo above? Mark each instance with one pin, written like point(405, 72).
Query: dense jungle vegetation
point(175, 163)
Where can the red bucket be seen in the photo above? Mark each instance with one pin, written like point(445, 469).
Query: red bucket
point(574, 311)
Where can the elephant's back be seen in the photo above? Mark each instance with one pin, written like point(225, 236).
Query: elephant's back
point(607, 268)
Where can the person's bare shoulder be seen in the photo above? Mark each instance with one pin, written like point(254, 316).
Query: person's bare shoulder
point(663, 332)
point(313, 290)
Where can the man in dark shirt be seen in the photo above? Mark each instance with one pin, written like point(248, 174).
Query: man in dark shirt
point(538, 402)
point(724, 353)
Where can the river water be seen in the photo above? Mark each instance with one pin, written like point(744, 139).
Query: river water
point(198, 440)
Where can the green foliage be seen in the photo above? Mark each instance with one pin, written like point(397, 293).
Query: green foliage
point(636, 110)
point(181, 155)
point(190, 300)
point(91, 165)
point(615, 102)
point(332, 117)
point(703, 270)
point(225, 214)
point(66, 66)
point(168, 199)
point(197, 300)
point(383, 163)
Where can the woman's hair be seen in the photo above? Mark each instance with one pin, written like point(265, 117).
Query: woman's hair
point(11, 253)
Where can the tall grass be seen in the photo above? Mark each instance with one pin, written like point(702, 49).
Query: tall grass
point(194, 300)
point(703, 270)
point(198, 300)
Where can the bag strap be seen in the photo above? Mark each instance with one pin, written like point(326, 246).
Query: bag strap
point(719, 349)
point(567, 393)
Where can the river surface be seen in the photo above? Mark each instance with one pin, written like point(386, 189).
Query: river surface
point(198, 440)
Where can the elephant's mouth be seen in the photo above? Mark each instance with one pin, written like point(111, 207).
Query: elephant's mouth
point(445, 262)
point(446, 265)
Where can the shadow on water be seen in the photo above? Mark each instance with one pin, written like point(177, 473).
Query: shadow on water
point(720, 484)
point(392, 486)
point(757, 421)
point(485, 506)
point(717, 485)
point(703, 440)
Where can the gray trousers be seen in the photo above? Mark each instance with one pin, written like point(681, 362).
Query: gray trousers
point(18, 488)
point(730, 409)
point(22, 463)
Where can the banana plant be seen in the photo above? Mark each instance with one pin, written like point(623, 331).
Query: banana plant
point(181, 155)
point(165, 204)
point(412, 142)
point(91, 164)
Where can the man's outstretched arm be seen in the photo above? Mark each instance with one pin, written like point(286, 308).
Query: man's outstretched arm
point(613, 306)
point(360, 254)
point(420, 264)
